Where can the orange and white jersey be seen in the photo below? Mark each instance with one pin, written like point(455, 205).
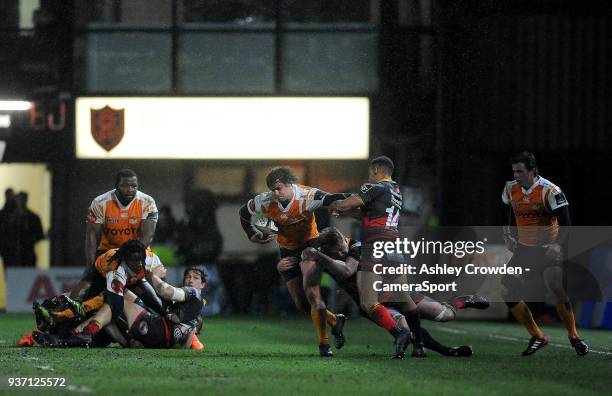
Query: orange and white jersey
point(533, 210)
point(120, 223)
point(115, 274)
point(296, 222)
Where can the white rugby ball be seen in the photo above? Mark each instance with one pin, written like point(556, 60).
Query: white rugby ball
point(264, 225)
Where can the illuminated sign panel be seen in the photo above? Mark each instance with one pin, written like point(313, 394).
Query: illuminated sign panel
point(222, 128)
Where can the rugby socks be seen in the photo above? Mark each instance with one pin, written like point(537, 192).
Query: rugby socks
point(381, 316)
point(93, 303)
point(90, 305)
point(522, 314)
point(318, 317)
point(92, 328)
point(65, 314)
point(566, 313)
point(330, 317)
point(414, 322)
point(431, 343)
point(459, 304)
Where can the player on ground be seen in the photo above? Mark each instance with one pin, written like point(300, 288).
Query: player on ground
point(291, 206)
point(380, 202)
point(340, 257)
point(116, 269)
point(177, 328)
point(540, 211)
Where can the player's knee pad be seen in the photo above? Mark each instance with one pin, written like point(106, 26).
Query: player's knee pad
point(447, 314)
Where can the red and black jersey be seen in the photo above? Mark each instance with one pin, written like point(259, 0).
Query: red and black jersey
point(381, 212)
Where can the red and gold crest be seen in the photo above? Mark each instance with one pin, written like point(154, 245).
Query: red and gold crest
point(107, 126)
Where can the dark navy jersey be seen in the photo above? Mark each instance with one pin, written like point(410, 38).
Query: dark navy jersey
point(354, 249)
point(185, 315)
point(381, 212)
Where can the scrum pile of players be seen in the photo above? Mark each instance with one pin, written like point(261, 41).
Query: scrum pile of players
point(123, 297)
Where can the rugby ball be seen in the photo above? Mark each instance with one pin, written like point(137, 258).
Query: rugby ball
point(263, 225)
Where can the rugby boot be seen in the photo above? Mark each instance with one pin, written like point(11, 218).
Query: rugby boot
point(580, 346)
point(418, 350)
point(535, 344)
point(42, 315)
point(471, 301)
point(461, 351)
point(26, 341)
point(76, 307)
point(195, 343)
point(336, 331)
point(401, 342)
point(45, 339)
point(325, 350)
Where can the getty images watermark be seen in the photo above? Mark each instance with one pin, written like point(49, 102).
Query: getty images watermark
point(449, 261)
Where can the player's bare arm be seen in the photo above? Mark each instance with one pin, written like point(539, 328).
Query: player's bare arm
point(165, 291)
point(338, 268)
point(344, 205)
point(508, 221)
point(147, 231)
point(93, 234)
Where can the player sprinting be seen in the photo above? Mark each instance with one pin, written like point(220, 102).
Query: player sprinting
point(291, 206)
point(540, 211)
point(380, 201)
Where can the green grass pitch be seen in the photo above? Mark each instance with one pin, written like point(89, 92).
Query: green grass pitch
point(271, 355)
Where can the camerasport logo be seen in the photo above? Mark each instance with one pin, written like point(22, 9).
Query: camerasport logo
point(107, 126)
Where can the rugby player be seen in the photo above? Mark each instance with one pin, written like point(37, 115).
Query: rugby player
point(177, 327)
point(340, 257)
point(291, 206)
point(380, 201)
point(117, 216)
point(540, 212)
point(115, 269)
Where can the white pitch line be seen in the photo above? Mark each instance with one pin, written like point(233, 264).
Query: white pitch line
point(511, 338)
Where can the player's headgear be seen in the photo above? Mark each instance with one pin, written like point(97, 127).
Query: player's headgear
point(199, 270)
point(383, 161)
point(124, 173)
point(130, 251)
point(283, 174)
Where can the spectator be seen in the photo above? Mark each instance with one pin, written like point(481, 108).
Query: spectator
point(6, 219)
point(26, 231)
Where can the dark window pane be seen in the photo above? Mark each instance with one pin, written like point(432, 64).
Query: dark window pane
point(330, 62)
point(226, 62)
point(128, 62)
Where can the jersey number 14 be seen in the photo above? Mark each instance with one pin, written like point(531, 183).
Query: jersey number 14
point(393, 218)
